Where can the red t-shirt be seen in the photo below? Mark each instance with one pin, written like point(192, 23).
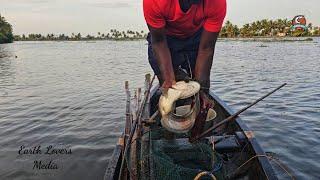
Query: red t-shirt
point(168, 14)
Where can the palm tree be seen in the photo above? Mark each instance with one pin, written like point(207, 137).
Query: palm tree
point(6, 35)
point(78, 36)
point(244, 31)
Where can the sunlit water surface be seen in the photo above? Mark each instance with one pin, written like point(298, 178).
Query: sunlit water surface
point(71, 95)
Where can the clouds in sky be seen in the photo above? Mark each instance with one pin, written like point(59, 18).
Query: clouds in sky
point(90, 16)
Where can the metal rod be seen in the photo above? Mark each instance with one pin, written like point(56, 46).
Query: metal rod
point(133, 128)
point(232, 117)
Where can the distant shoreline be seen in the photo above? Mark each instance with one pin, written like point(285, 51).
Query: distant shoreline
point(249, 39)
point(262, 30)
point(122, 39)
point(271, 39)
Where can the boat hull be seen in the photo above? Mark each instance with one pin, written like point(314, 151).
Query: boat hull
point(241, 142)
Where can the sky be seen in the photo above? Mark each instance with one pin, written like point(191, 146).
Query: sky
point(92, 16)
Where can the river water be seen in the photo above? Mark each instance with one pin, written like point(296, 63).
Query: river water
point(70, 95)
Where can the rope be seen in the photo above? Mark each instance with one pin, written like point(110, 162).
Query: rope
point(269, 157)
point(205, 173)
point(217, 166)
point(190, 70)
point(282, 166)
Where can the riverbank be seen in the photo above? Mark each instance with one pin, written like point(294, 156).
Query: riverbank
point(88, 40)
point(251, 39)
point(261, 30)
point(269, 39)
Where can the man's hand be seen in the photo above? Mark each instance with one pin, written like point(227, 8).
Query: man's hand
point(205, 101)
point(200, 122)
point(166, 85)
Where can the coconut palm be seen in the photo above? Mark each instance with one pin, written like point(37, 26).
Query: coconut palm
point(6, 35)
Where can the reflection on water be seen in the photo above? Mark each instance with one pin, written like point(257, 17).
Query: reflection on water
point(70, 95)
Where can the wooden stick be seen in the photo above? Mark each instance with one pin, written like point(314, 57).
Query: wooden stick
point(146, 109)
point(128, 112)
point(232, 117)
point(151, 119)
point(147, 87)
point(139, 106)
point(128, 122)
point(139, 98)
point(133, 129)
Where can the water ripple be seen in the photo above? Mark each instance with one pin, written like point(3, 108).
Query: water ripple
point(72, 94)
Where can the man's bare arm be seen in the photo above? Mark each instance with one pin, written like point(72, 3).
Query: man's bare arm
point(205, 58)
point(163, 56)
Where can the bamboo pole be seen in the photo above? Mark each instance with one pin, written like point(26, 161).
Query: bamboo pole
point(128, 122)
point(146, 107)
point(128, 112)
point(134, 145)
point(139, 106)
point(232, 117)
point(133, 130)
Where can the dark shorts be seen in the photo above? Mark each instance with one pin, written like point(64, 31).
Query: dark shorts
point(183, 52)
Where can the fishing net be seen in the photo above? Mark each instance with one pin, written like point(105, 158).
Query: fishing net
point(162, 159)
point(180, 160)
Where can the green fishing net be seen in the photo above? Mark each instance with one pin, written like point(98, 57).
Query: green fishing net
point(161, 159)
point(180, 160)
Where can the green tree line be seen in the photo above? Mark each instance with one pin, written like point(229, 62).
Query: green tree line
point(113, 34)
point(6, 35)
point(260, 28)
point(267, 28)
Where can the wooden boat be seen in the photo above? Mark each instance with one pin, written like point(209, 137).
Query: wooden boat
point(237, 154)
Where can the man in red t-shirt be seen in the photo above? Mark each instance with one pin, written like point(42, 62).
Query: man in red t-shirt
point(183, 34)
